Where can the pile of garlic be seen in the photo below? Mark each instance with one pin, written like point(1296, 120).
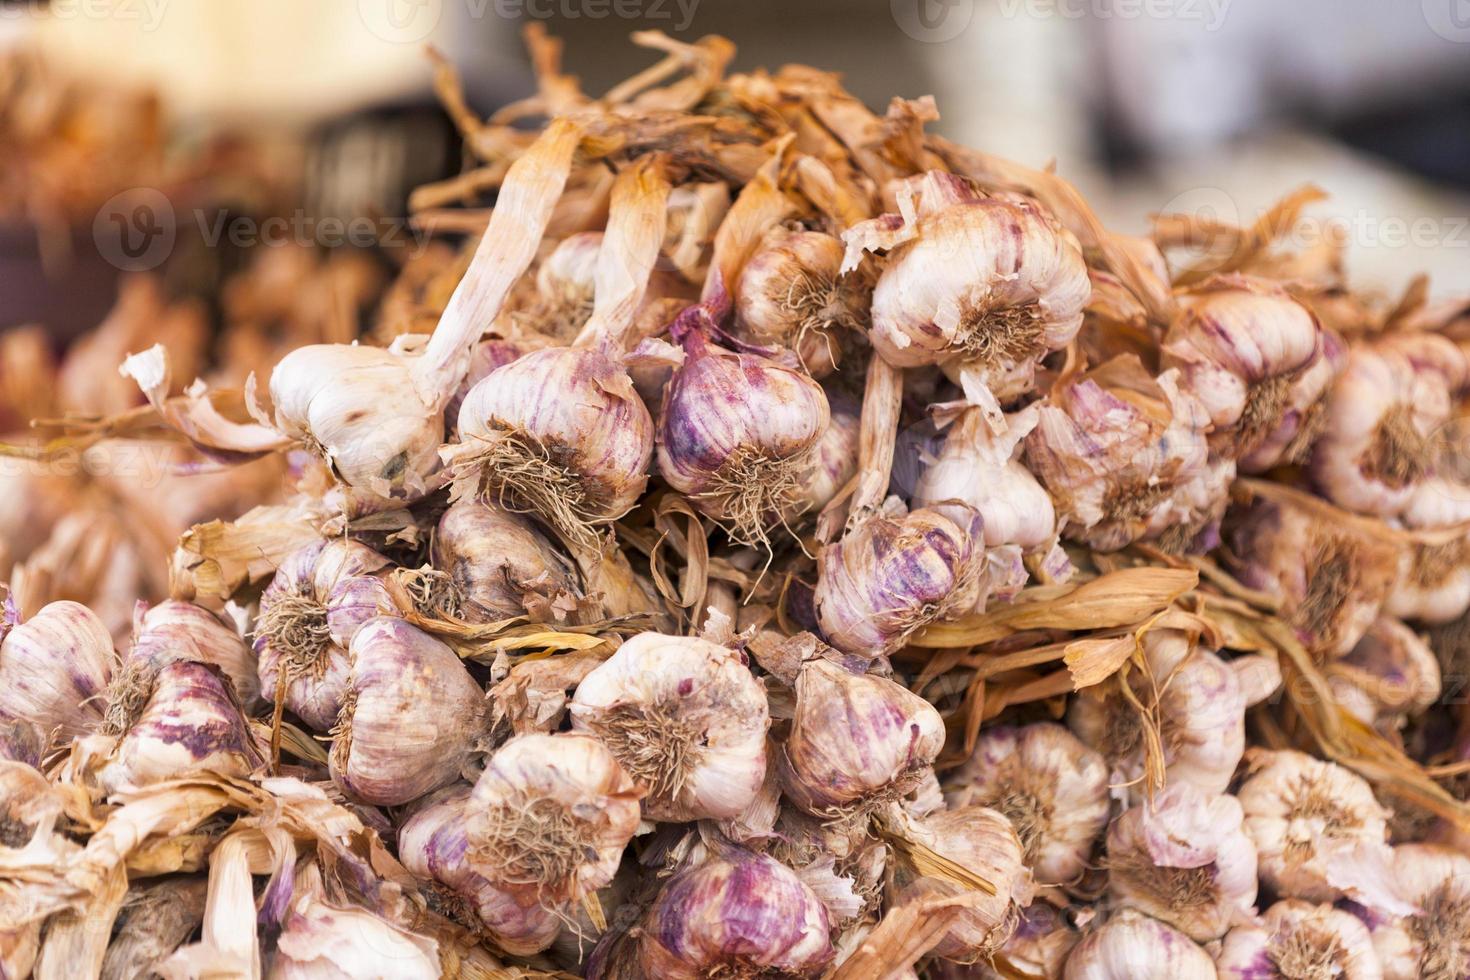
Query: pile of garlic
point(801, 547)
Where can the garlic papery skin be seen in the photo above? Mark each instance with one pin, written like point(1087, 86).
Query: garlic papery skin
point(1332, 578)
point(857, 741)
point(1132, 946)
point(549, 818)
point(893, 575)
point(502, 565)
point(322, 941)
point(320, 392)
point(1052, 788)
point(736, 914)
point(792, 294)
point(1302, 412)
point(736, 434)
point(559, 433)
point(685, 718)
point(1038, 948)
point(308, 614)
point(1373, 450)
point(1392, 667)
point(21, 741)
point(981, 841)
point(1298, 940)
point(565, 283)
point(979, 468)
point(54, 667)
point(1434, 939)
point(410, 716)
point(1435, 584)
point(433, 846)
point(190, 724)
point(1241, 345)
point(1184, 859)
point(1319, 832)
point(1201, 712)
point(174, 630)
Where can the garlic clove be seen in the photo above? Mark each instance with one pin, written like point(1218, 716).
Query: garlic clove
point(1132, 946)
point(1297, 939)
point(549, 818)
point(857, 741)
point(410, 715)
point(685, 718)
point(501, 565)
point(1052, 788)
point(54, 668)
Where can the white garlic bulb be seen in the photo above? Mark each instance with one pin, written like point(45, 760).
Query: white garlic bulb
point(1435, 582)
point(857, 741)
point(321, 940)
point(1201, 711)
point(502, 565)
point(834, 459)
point(549, 818)
point(1296, 940)
point(1391, 671)
point(410, 716)
point(565, 284)
point(54, 667)
point(1432, 940)
point(792, 294)
point(1184, 859)
point(1052, 788)
point(1132, 946)
point(685, 718)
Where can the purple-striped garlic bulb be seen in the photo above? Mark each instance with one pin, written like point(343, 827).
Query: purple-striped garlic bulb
point(549, 818)
point(736, 435)
point(190, 724)
point(983, 842)
point(1391, 673)
point(1374, 449)
point(736, 913)
point(501, 565)
point(857, 741)
point(173, 631)
point(1296, 939)
point(1433, 939)
point(433, 846)
point(411, 715)
point(1052, 788)
point(1125, 458)
point(685, 718)
point(1242, 347)
point(487, 355)
point(834, 459)
point(55, 667)
point(896, 573)
point(1302, 413)
point(319, 597)
point(792, 294)
point(321, 939)
point(1200, 711)
point(1434, 586)
point(975, 466)
point(1132, 946)
point(559, 433)
point(1184, 858)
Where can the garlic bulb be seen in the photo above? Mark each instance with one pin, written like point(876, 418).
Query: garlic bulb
point(1332, 579)
point(1435, 582)
point(190, 724)
point(486, 356)
point(834, 459)
point(1052, 788)
point(893, 575)
point(1184, 859)
point(1242, 346)
point(735, 914)
point(685, 718)
point(1302, 412)
point(54, 667)
point(982, 841)
point(1393, 669)
point(559, 433)
point(501, 565)
point(1297, 940)
point(410, 715)
point(1319, 832)
point(1434, 939)
point(549, 818)
point(1038, 948)
point(1201, 712)
point(565, 283)
point(1374, 450)
point(433, 846)
point(318, 598)
point(792, 294)
point(1124, 457)
point(323, 941)
point(174, 630)
point(857, 741)
point(736, 433)
point(979, 468)
point(1131, 946)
